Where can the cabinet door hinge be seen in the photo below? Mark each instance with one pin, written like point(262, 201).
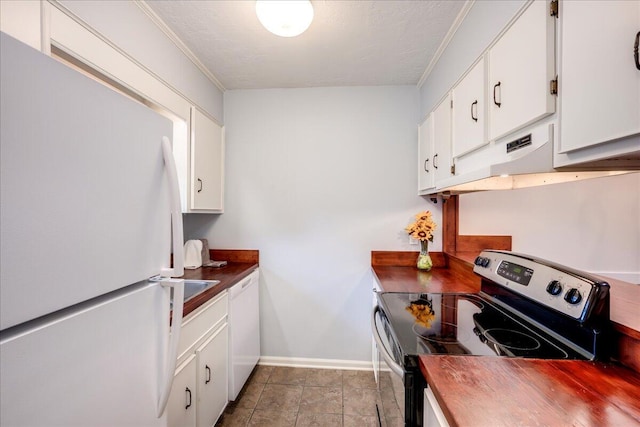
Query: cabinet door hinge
point(553, 86)
point(553, 8)
point(453, 169)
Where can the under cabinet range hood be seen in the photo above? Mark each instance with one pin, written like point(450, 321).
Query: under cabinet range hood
point(525, 160)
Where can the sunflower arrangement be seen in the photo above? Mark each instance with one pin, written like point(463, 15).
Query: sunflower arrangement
point(423, 227)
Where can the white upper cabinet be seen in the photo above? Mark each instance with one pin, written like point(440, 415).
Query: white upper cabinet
point(441, 160)
point(207, 164)
point(599, 79)
point(468, 119)
point(521, 68)
point(425, 151)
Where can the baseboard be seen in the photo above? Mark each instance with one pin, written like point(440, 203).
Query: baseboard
point(301, 362)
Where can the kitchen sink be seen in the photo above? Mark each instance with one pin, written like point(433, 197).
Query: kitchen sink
point(193, 288)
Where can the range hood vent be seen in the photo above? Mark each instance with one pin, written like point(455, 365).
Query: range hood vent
point(532, 168)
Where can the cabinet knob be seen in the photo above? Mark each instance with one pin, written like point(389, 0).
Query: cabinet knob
point(435, 165)
point(207, 379)
point(425, 165)
point(200, 181)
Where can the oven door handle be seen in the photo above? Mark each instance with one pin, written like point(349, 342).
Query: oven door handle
point(393, 365)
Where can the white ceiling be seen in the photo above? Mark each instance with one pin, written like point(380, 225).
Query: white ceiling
point(349, 43)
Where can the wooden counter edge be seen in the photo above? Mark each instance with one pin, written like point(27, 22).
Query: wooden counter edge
point(244, 269)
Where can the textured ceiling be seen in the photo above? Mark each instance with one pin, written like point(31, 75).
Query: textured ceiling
point(349, 43)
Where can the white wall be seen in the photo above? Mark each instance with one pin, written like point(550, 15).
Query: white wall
point(591, 225)
point(316, 179)
point(129, 28)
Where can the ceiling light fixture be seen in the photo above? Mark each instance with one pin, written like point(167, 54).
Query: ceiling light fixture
point(285, 18)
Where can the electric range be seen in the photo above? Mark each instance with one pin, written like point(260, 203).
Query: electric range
point(527, 307)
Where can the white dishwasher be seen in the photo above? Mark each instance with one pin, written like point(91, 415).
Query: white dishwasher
point(244, 331)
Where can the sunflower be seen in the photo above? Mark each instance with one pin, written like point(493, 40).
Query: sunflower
point(423, 227)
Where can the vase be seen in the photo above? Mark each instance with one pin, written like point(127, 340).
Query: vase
point(424, 259)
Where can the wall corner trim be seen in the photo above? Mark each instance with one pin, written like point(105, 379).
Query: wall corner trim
point(445, 42)
point(158, 22)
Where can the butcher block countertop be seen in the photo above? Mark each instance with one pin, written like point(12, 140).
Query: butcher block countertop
point(501, 391)
point(240, 263)
point(396, 272)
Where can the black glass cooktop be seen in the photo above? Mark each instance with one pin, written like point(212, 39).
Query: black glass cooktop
point(464, 324)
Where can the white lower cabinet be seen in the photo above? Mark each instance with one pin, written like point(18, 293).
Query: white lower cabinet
point(181, 408)
point(213, 376)
point(200, 391)
point(433, 415)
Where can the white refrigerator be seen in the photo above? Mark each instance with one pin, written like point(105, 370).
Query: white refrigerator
point(89, 212)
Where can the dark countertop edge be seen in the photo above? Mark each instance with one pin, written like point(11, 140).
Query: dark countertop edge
point(228, 275)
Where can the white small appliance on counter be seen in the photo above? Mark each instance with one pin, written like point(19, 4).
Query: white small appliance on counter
point(193, 254)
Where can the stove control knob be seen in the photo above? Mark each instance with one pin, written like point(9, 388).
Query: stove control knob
point(482, 261)
point(554, 287)
point(573, 296)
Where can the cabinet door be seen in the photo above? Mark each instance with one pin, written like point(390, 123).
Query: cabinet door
point(441, 160)
point(213, 377)
point(433, 415)
point(468, 116)
point(521, 67)
point(599, 81)
point(181, 408)
point(425, 151)
point(207, 160)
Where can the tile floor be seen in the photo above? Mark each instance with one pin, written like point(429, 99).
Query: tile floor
point(283, 396)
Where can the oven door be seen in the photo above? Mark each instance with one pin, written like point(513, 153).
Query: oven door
point(387, 348)
point(406, 379)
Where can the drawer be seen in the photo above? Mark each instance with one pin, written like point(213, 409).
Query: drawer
point(202, 322)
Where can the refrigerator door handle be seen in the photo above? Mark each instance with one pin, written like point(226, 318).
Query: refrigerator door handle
point(176, 213)
point(172, 354)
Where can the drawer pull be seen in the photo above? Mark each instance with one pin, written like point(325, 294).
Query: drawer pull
point(495, 101)
point(474, 118)
point(188, 398)
point(635, 50)
point(208, 376)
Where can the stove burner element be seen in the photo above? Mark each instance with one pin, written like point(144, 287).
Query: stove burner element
point(448, 333)
point(511, 339)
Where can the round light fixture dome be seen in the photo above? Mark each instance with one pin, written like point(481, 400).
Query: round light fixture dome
point(285, 18)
